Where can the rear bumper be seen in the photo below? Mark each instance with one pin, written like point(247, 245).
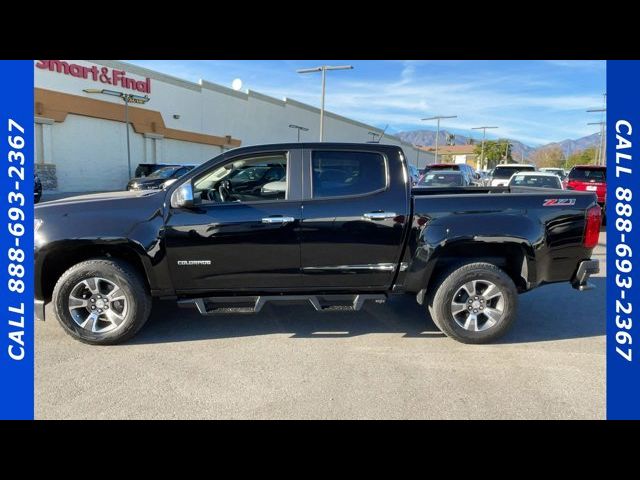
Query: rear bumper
point(38, 309)
point(586, 268)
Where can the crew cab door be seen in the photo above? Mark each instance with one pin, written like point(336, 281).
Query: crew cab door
point(243, 235)
point(355, 213)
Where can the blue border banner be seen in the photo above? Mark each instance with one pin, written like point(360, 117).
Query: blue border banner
point(623, 248)
point(16, 240)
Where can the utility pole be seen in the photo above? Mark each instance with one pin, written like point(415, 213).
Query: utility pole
point(438, 118)
point(323, 69)
point(484, 136)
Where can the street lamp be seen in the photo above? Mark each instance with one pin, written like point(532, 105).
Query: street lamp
point(298, 127)
point(484, 136)
point(323, 69)
point(127, 98)
point(438, 118)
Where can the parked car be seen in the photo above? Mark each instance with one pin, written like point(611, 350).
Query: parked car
point(444, 178)
point(158, 178)
point(468, 172)
point(347, 230)
point(536, 180)
point(558, 171)
point(414, 174)
point(37, 188)
point(502, 173)
point(589, 178)
point(144, 169)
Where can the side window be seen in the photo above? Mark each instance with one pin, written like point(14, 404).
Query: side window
point(248, 179)
point(336, 174)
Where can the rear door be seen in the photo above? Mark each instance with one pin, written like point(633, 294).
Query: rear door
point(355, 210)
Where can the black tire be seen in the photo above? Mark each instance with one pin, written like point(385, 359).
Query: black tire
point(447, 285)
point(122, 274)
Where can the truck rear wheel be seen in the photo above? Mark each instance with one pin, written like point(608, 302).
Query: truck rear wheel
point(101, 301)
point(474, 303)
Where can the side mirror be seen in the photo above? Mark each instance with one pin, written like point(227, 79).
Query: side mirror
point(183, 197)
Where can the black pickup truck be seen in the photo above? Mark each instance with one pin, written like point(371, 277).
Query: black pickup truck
point(331, 224)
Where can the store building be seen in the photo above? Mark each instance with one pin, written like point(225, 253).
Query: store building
point(80, 137)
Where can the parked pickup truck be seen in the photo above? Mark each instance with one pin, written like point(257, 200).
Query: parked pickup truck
point(335, 225)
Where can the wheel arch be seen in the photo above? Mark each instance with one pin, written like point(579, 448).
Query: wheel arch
point(61, 256)
point(514, 256)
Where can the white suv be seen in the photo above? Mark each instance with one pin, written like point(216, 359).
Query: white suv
point(503, 172)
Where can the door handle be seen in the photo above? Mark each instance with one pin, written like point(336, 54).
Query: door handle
point(379, 215)
point(281, 220)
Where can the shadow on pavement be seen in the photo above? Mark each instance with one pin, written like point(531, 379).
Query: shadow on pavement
point(552, 312)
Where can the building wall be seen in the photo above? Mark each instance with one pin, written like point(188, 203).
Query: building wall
point(90, 153)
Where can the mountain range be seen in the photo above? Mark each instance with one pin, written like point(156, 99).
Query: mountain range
point(519, 149)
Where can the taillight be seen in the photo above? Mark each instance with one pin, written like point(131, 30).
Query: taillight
point(592, 228)
point(571, 185)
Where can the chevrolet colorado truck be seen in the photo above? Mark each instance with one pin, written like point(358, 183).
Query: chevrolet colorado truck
point(332, 224)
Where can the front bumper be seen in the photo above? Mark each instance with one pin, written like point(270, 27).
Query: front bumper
point(38, 309)
point(586, 268)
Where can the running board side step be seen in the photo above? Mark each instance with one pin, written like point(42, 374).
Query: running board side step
point(253, 304)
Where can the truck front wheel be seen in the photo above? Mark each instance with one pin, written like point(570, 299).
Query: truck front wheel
point(101, 301)
point(474, 303)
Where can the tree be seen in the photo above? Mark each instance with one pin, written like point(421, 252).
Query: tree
point(552, 157)
point(583, 157)
point(494, 151)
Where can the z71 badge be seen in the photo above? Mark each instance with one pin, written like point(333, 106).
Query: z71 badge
point(559, 202)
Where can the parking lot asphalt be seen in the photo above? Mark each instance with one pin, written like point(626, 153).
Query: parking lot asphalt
point(289, 362)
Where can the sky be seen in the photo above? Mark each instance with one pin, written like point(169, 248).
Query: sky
point(535, 102)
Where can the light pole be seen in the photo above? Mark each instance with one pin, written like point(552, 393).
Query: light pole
point(438, 118)
point(127, 98)
point(323, 69)
point(418, 148)
point(298, 127)
point(484, 136)
point(373, 137)
point(601, 149)
point(600, 154)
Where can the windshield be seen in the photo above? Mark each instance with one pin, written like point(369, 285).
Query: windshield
point(588, 174)
point(506, 172)
point(164, 172)
point(542, 181)
point(441, 179)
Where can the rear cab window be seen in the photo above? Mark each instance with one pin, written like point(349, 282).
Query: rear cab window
point(347, 173)
point(587, 174)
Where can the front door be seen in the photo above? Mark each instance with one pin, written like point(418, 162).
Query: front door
point(243, 235)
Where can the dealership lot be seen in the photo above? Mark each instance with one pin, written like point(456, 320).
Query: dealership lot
point(387, 361)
